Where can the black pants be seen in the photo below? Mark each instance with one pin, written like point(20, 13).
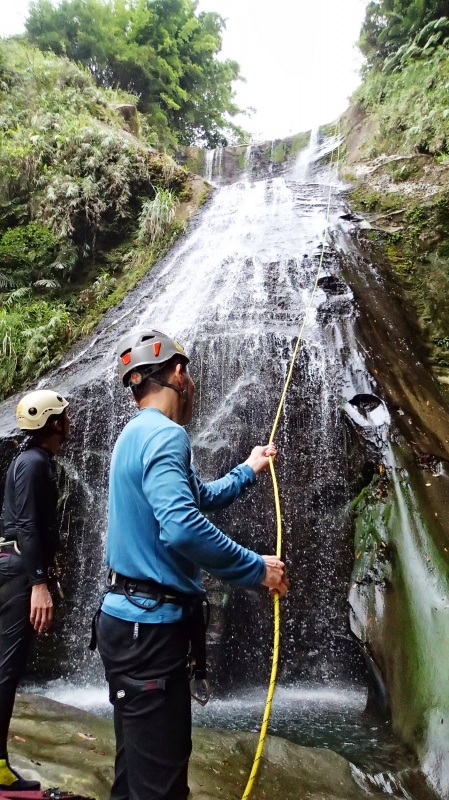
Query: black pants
point(149, 689)
point(15, 634)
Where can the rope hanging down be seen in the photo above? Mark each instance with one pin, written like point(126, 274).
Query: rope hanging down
point(277, 503)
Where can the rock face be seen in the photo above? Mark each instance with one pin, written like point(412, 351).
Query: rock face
point(226, 165)
point(399, 584)
point(63, 746)
point(130, 115)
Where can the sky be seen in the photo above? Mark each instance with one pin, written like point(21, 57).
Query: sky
point(298, 57)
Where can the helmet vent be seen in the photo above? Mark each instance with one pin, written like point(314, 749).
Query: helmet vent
point(126, 356)
point(147, 337)
point(32, 411)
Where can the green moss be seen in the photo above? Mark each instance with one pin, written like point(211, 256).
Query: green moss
point(405, 171)
point(195, 160)
point(400, 577)
point(139, 261)
point(330, 129)
point(280, 150)
point(279, 153)
point(203, 196)
point(365, 199)
point(419, 256)
point(299, 142)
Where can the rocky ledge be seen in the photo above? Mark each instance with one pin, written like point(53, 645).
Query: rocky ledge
point(63, 746)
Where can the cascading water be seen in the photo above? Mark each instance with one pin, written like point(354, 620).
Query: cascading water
point(234, 291)
point(249, 159)
point(209, 164)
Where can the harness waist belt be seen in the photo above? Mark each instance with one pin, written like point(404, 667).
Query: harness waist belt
point(148, 589)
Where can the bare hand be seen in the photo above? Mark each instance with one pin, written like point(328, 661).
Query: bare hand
point(41, 613)
point(275, 577)
point(260, 457)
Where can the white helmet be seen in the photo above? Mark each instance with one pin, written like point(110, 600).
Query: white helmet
point(35, 408)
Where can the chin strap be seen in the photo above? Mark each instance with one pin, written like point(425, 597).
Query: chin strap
point(148, 376)
point(182, 392)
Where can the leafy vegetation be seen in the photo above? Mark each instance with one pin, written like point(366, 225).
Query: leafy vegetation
point(157, 215)
point(405, 100)
point(418, 253)
point(160, 50)
point(74, 190)
point(410, 107)
point(392, 25)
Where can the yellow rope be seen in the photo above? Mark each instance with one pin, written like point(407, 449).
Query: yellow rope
point(277, 503)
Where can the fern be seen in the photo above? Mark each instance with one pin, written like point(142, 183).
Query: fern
point(6, 280)
point(47, 283)
point(17, 295)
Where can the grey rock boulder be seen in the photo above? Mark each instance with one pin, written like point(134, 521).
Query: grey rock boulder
point(63, 746)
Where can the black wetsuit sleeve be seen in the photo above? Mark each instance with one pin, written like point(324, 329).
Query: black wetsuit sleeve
point(30, 485)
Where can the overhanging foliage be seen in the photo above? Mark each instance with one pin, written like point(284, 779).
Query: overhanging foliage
point(391, 24)
point(73, 185)
point(161, 50)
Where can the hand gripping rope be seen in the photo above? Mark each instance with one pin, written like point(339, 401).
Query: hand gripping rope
point(277, 611)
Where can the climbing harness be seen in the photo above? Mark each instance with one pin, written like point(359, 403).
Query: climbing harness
point(277, 611)
point(197, 607)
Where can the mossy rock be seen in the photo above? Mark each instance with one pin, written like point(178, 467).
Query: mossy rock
point(63, 746)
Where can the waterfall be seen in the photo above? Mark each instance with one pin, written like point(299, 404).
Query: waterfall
point(219, 152)
point(306, 157)
point(213, 165)
point(233, 291)
point(209, 165)
point(249, 159)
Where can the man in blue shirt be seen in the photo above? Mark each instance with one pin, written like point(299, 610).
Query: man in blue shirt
point(158, 541)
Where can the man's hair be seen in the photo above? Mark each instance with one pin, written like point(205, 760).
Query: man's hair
point(149, 386)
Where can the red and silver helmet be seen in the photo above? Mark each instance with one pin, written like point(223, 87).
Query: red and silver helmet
point(145, 351)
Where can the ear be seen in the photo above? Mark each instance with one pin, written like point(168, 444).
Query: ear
point(58, 424)
point(179, 374)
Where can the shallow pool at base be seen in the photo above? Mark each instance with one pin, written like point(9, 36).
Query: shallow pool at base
point(313, 716)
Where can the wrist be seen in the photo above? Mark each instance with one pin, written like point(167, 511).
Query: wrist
point(40, 587)
point(252, 472)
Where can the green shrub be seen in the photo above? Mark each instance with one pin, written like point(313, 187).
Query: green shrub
point(26, 252)
point(73, 189)
point(33, 338)
point(157, 215)
point(100, 289)
point(410, 107)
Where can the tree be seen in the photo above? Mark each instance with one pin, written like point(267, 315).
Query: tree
point(389, 24)
point(160, 50)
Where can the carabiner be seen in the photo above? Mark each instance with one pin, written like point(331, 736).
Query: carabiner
point(203, 697)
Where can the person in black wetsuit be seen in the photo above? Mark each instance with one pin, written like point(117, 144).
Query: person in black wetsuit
point(28, 543)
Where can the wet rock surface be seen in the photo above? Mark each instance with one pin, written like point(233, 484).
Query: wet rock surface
point(226, 165)
point(63, 746)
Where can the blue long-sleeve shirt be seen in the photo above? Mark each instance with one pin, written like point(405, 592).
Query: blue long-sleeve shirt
point(156, 529)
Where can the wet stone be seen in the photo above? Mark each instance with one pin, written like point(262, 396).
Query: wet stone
point(332, 285)
point(63, 746)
